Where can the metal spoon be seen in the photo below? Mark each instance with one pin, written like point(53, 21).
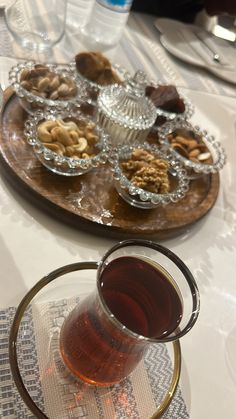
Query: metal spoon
point(215, 55)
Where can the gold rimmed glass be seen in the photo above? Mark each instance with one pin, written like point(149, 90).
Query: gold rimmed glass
point(60, 279)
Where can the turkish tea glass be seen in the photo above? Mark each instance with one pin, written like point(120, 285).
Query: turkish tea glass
point(144, 294)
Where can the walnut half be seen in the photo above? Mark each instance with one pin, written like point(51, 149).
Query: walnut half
point(147, 172)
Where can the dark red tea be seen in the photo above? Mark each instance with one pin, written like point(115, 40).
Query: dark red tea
point(142, 297)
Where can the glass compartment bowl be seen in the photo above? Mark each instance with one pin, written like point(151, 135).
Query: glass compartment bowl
point(31, 102)
point(166, 115)
point(198, 167)
point(60, 164)
point(139, 197)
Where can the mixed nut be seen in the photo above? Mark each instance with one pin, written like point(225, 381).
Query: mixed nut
point(190, 145)
point(43, 82)
point(146, 171)
point(69, 138)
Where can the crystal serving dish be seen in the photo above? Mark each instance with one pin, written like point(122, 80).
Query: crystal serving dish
point(195, 166)
point(125, 112)
point(61, 164)
point(31, 102)
point(139, 197)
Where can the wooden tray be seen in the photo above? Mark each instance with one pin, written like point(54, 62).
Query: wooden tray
point(90, 202)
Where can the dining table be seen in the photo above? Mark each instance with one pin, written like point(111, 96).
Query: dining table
point(34, 242)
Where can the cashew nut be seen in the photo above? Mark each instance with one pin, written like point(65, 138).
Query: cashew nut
point(53, 147)
point(85, 156)
point(61, 146)
point(81, 146)
point(74, 136)
point(70, 125)
point(91, 125)
point(92, 138)
point(70, 151)
point(44, 131)
point(62, 135)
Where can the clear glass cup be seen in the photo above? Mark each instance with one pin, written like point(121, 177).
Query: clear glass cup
point(36, 24)
point(145, 294)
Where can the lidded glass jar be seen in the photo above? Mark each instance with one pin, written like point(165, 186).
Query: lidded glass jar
point(125, 112)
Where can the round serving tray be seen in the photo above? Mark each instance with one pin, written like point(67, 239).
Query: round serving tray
point(90, 202)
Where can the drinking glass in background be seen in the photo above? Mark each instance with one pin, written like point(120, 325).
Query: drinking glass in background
point(106, 23)
point(78, 12)
point(145, 294)
point(36, 24)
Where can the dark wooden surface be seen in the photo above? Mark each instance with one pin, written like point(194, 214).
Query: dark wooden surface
point(90, 202)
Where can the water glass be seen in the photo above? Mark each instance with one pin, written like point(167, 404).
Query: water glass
point(36, 24)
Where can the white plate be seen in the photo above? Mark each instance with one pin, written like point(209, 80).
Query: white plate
point(181, 41)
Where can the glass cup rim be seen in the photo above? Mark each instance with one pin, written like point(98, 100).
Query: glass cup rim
point(182, 267)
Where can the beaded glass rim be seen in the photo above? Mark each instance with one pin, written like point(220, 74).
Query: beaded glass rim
point(170, 116)
point(122, 72)
point(65, 70)
point(30, 132)
point(214, 146)
point(124, 153)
